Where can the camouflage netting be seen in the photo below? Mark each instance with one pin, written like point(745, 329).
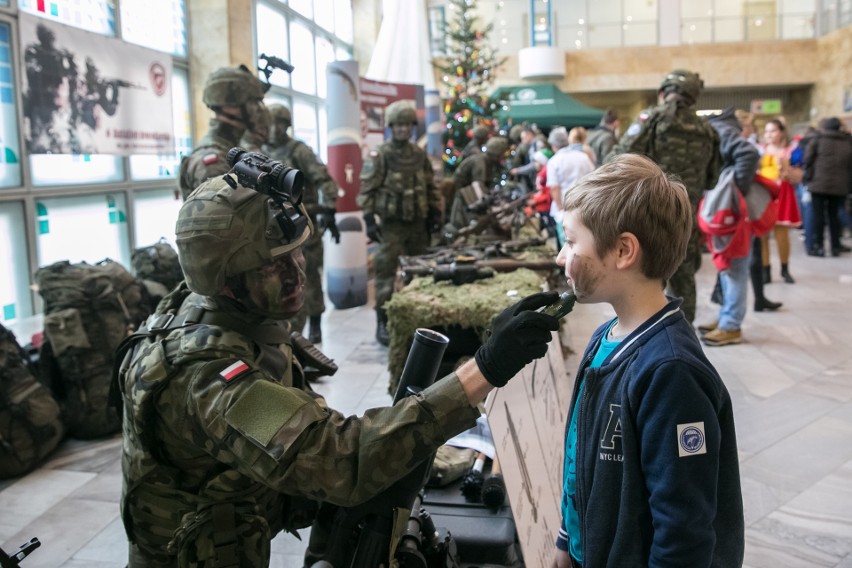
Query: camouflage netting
point(425, 303)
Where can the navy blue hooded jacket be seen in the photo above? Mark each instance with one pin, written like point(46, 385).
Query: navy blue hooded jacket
point(658, 480)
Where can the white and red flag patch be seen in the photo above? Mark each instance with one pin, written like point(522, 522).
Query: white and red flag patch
point(233, 371)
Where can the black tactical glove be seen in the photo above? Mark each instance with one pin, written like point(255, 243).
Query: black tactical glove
point(517, 336)
point(434, 221)
point(374, 232)
point(327, 222)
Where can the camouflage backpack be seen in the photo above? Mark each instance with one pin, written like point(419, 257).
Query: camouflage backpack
point(30, 424)
point(88, 311)
point(158, 267)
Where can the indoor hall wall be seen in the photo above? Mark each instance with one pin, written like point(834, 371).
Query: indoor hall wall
point(834, 74)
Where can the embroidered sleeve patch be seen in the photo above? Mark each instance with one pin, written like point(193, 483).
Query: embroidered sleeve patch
point(691, 439)
point(233, 371)
point(210, 159)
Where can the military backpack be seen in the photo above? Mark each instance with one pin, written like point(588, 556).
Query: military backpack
point(89, 310)
point(30, 423)
point(158, 267)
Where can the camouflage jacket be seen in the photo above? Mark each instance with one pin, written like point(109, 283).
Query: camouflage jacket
point(397, 183)
point(320, 190)
point(478, 167)
point(213, 417)
point(680, 141)
point(209, 158)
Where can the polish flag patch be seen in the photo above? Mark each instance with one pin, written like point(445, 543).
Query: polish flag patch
point(233, 371)
point(210, 159)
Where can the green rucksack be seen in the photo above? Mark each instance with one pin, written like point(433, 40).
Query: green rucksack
point(155, 265)
point(30, 423)
point(89, 310)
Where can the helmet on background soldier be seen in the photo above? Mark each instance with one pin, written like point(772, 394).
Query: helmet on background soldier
point(400, 112)
point(496, 147)
point(224, 232)
point(686, 83)
point(232, 86)
point(280, 119)
point(479, 134)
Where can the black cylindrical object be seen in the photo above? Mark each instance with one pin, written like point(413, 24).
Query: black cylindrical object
point(424, 359)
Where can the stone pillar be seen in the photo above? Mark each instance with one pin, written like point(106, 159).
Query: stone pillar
point(221, 34)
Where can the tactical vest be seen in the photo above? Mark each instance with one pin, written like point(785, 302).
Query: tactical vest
point(158, 511)
point(89, 310)
point(30, 424)
point(402, 195)
point(682, 144)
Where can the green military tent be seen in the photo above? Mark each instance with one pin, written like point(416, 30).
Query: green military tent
point(544, 105)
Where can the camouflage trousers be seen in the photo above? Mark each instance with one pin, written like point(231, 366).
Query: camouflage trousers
point(398, 239)
point(314, 301)
point(682, 282)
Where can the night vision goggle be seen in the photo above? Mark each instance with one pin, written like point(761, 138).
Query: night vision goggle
point(281, 183)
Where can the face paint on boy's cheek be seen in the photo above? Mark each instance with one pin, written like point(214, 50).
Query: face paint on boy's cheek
point(584, 277)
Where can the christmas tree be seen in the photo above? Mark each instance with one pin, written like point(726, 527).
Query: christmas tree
point(468, 68)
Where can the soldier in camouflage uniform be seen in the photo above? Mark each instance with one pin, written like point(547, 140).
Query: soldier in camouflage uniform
point(320, 199)
point(479, 136)
point(235, 95)
point(474, 180)
point(225, 445)
point(683, 144)
point(397, 185)
point(254, 139)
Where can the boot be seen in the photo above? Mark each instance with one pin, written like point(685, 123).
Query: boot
point(315, 330)
point(763, 305)
point(767, 274)
point(382, 328)
point(785, 274)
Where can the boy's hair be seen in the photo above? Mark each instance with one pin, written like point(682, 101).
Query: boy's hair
point(632, 194)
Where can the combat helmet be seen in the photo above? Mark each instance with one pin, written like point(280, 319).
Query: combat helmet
point(687, 83)
point(223, 231)
point(496, 147)
point(400, 112)
point(280, 113)
point(479, 134)
point(232, 86)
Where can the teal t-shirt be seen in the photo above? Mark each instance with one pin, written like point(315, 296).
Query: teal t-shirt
point(569, 476)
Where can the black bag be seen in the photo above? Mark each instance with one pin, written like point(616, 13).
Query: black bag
point(30, 424)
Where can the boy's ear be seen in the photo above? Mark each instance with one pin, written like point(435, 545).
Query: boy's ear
point(628, 251)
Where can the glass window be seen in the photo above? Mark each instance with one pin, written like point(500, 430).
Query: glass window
point(797, 26)
point(86, 228)
point(15, 298)
point(158, 24)
point(640, 33)
point(437, 25)
point(724, 8)
point(93, 15)
point(10, 149)
point(343, 20)
point(324, 16)
point(728, 29)
point(302, 42)
point(155, 214)
point(151, 166)
point(605, 11)
point(271, 29)
point(70, 169)
point(304, 7)
point(541, 23)
point(692, 9)
point(305, 124)
point(604, 35)
point(325, 55)
point(343, 54)
point(696, 31)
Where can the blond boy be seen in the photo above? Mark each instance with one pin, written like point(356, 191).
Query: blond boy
point(651, 476)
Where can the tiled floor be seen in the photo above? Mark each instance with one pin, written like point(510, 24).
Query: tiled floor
point(791, 381)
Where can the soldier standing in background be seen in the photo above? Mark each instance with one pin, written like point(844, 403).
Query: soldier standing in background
point(683, 144)
point(474, 180)
point(255, 139)
point(320, 199)
point(604, 136)
point(479, 136)
point(235, 95)
point(397, 185)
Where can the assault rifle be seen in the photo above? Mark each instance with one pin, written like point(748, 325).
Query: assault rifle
point(14, 560)
point(391, 528)
point(452, 270)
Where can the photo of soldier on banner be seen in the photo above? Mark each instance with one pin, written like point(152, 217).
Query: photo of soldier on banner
point(82, 93)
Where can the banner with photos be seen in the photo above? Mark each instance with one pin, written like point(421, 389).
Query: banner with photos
point(85, 93)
